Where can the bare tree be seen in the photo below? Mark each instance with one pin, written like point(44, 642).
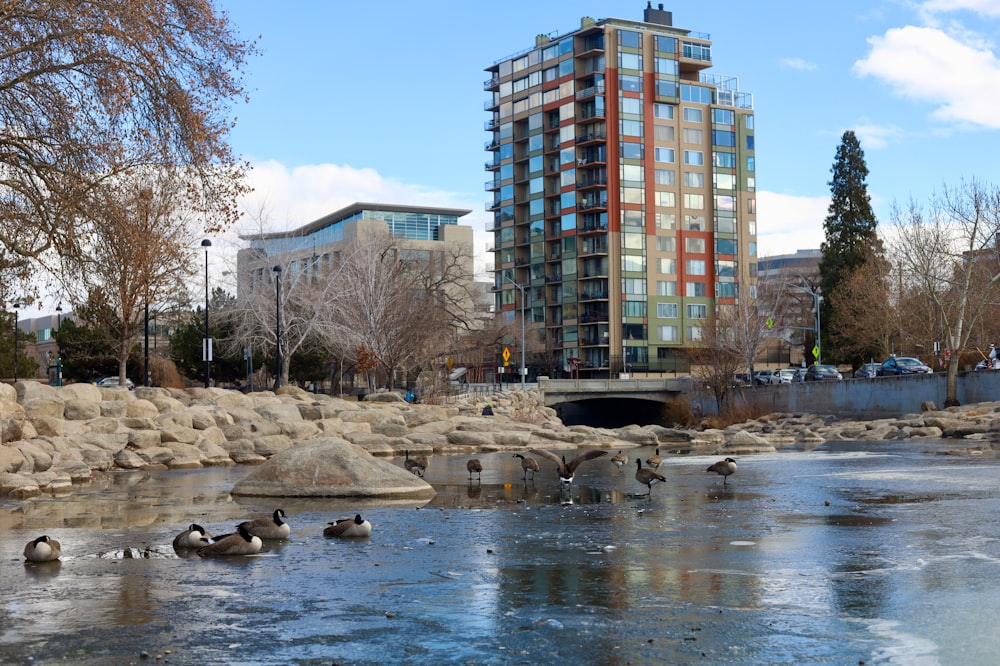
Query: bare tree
point(93, 89)
point(137, 251)
point(867, 316)
point(718, 357)
point(951, 254)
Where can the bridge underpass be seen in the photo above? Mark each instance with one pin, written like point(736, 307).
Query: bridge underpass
point(610, 403)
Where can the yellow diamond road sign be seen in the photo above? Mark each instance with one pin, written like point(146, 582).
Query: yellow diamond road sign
point(815, 351)
point(505, 354)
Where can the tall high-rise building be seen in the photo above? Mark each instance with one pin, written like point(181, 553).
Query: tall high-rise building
point(623, 185)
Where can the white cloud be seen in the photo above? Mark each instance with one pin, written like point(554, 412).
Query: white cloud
point(787, 223)
point(875, 137)
point(928, 65)
point(798, 64)
point(930, 9)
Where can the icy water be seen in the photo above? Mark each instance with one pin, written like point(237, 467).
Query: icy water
point(849, 554)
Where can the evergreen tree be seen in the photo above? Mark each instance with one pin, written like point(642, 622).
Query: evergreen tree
point(851, 234)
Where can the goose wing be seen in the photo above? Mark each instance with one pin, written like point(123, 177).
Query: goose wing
point(548, 454)
point(585, 456)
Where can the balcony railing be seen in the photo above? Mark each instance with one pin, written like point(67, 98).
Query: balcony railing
point(491, 83)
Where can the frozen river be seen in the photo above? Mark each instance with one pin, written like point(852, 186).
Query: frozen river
point(886, 553)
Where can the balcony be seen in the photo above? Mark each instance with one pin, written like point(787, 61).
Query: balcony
point(592, 181)
point(594, 296)
point(491, 124)
point(492, 205)
point(493, 166)
point(492, 83)
point(492, 145)
point(591, 91)
point(591, 137)
point(492, 185)
point(593, 204)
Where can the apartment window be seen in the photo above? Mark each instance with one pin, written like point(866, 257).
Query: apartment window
point(752, 248)
point(726, 268)
point(695, 266)
point(723, 116)
point(694, 333)
point(666, 244)
point(666, 310)
point(666, 88)
point(750, 164)
point(631, 173)
point(696, 94)
point(694, 157)
point(752, 206)
point(631, 151)
point(631, 218)
point(629, 39)
point(663, 111)
point(666, 199)
point(695, 223)
point(692, 115)
point(665, 177)
point(633, 195)
point(666, 221)
point(750, 142)
point(751, 184)
point(725, 181)
point(723, 138)
point(630, 61)
point(636, 264)
point(667, 333)
point(724, 160)
point(749, 122)
point(666, 288)
point(666, 44)
point(663, 133)
point(695, 136)
point(694, 289)
point(666, 266)
point(634, 286)
point(631, 127)
point(664, 155)
point(725, 246)
point(697, 311)
point(634, 309)
point(694, 179)
point(632, 106)
point(666, 66)
point(694, 245)
point(694, 201)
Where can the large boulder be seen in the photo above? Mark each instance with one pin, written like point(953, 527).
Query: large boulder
point(331, 467)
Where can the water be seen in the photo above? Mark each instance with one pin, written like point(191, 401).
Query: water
point(886, 554)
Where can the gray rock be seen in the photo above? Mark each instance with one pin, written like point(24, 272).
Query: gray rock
point(331, 467)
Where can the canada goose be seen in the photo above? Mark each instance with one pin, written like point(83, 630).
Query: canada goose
point(526, 465)
point(240, 543)
point(349, 527)
point(654, 460)
point(269, 528)
point(42, 549)
point(194, 536)
point(566, 470)
point(723, 467)
point(416, 465)
point(647, 477)
point(474, 467)
point(619, 459)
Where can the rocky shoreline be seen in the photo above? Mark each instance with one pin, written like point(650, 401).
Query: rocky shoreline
point(56, 437)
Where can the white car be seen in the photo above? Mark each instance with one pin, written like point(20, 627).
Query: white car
point(783, 376)
point(113, 381)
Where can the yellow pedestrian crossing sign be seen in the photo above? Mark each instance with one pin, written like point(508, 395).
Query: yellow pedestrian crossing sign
point(769, 323)
point(506, 356)
point(815, 351)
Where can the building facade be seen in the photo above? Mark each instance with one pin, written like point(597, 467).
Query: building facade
point(623, 192)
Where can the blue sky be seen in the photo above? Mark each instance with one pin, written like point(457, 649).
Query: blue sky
point(383, 101)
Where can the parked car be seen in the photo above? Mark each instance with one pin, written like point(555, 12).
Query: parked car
point(113, 381)
point(903, 365)
point(817, 372)
point(762, 377)
point(782, 376)
point(867, 371)
point(799, 376)
point(741, 379)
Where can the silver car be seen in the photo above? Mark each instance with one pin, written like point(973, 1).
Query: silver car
point(783, 376)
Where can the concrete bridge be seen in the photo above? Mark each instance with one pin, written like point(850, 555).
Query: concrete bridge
point(558, 391)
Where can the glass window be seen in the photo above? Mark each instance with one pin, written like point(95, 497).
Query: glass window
point(697, 94)
point(692, 115)
point(666, 244)
point(663, 133)
point(695, 245)
point(664, 155)
point(666, 88)
point(666, 221)
point(694, 266)
point(633, 241)
point(567, 200)
point(567, 177)
point(536, 185)
point(752, 206)
point(631, 105)
point(694, 289)
point(666, 199)
point(550, 52)
point(536, 164)
point(694, 201)
point(692, 136)
point(567, 133)
point(631, 127)
point(632, 173)
point(724, 181)
point(666, 288)
point(752, 248)
point(629, 39)
point(666, 310)
point(567, 156)
point(632, 218)
point(567, 222)
point(723, 116)
point(665, 177)
point(667, 333)
point(630, 61)
point(723, 138)
point(634, 263)
point(695, 223)
point(633, 195)
point(749, 122)
point(694, 157)
point(535, 143)
point(666, 66)
point(565, 68)
point(725, 246)
point(631, 151)
point(666, 44)
point(725, 268)
point(694, 179)
point(566, 46)
point(724, 160)
point(725, 202)
point(750, 142)
point(536, 207)
point(629, 83)
point(666, 266)
point(697, 311)
point(663, 111)
point(750, 164)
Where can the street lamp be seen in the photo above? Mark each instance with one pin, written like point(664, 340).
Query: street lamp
point(524, 372)
point(277, 326)
point(145, 340)
point(58, 317)
point(17, 306)
point(816, 301)
point(207, 347)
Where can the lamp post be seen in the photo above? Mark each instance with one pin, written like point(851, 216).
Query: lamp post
point(277, 326)
point(207, 347)
point(145, 340)
point(524, 372)
point(817, 298)
point(58, 317)
point(17, 306)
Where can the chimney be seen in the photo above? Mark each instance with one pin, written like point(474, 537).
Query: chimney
point(657, 16)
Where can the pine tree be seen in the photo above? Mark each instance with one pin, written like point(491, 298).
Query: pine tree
point(851, 233)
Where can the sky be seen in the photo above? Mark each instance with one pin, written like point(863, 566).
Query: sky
point(384, 101)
